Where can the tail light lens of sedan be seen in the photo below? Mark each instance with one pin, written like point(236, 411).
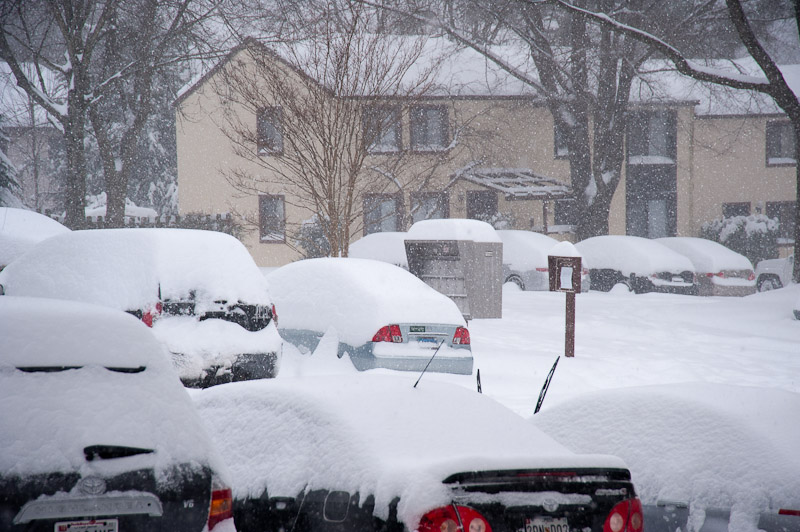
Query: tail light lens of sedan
point(221, 504)
point(461, 337)
point(388, 333)
point(152, 314)
point(453, 518)
point(274, 315)
point(625, 517)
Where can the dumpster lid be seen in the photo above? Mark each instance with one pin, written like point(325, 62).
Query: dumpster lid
point(453, 229)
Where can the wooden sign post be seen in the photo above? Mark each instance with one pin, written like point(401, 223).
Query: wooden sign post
point(565, 276)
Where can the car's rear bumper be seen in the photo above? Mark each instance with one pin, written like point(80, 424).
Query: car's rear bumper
point(244, 367)
point(403, 357)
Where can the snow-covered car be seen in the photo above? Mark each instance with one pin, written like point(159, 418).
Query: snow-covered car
point(719, 271)
point(641, 264)
point(525, 260)
point(388, 246)
point(703, 456)
point(97, 433)
point(21, 229)
point(382, 316)
point(201, 292)
point(374, 453)
point(772, 274)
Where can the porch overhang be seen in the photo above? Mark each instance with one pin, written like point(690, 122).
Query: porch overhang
point(516, 183)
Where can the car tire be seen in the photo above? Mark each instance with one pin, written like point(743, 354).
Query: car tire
point(622, 286)
point(516, 280)
point(765, 284)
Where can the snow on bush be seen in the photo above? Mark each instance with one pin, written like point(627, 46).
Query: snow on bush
point(22, 229)
point(754, 236)
point(388, 246)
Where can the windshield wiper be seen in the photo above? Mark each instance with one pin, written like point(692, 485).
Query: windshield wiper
point(108, 452)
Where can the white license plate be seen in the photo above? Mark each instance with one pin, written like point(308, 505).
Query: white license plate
point(546, 524)
point(427, 340)
point(94, 525)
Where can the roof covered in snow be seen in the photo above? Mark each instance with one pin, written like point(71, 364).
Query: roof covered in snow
point(518, 183)
point(453, 229)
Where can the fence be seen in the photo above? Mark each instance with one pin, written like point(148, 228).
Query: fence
point(223, 223)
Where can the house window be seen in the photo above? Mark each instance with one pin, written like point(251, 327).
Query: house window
point(429, 205)
point(429, 128)
point(729, 210)
point(652, 137)
point(269, 129)
point(482, 205)
point(382, 129)
point(272, 218)
point(381, 213)
point(560, 141)
point(565, 212)
point(780, 143)
point(784, 212)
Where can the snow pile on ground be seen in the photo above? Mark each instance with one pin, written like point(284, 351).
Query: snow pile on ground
point(525, 250)
point(48, 418)
point(370, 433)
point(632, 254)
point(707, 256)
point(453, 229)
point(21, 229)
point(702, 444)
point(356, 297)
point(388, 246)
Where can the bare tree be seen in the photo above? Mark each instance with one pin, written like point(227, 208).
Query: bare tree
point(328, 109)
point(772, 83)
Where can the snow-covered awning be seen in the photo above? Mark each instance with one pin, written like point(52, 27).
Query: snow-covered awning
point(516, 183)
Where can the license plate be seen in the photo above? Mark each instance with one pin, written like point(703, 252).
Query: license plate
point(427, 340)
point(417, 328)
point(546, 524)
point(94, 525)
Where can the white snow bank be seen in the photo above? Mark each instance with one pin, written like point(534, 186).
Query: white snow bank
point(126, 268)
point(453, 229)
point(564, 249)
point(375, 434)
point(709, 445)
point(388, 246)
point(706, 255)
point(49, 417)
point(632, 254)
point(525, 250)
point(356, 297)
point(97, 205)
point(22, 229)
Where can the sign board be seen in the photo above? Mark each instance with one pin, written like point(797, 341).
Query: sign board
point(565, 274)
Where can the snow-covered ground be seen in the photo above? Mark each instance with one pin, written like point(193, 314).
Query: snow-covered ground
point(624, 340)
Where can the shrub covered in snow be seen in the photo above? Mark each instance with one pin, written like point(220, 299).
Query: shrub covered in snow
point(754, 236)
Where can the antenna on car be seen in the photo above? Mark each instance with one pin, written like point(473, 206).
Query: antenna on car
point(479, 381)
point(428, 364)
point(546, 386)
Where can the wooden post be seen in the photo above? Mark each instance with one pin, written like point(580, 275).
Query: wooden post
point(569, 340)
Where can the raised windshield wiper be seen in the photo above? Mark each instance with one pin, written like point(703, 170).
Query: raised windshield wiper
point(55, 369)
point(108, 452)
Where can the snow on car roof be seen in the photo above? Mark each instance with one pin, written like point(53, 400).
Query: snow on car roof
point(125, 268)
point(374, 434)
point(21, 229)
point(707, 255)
point(699, 443)
point(453, 229)
point(388, 246)
point(355, 296)
point(632, 254)
point(523, 250)
point(48, 418)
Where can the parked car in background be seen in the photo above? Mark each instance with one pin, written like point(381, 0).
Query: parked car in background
point(374, 453)
point(387, 246)
point(199, 290)
point(383, 316)
point(796, 309)
point(719, 271)
point(641, 264)
point(772, 274)
point(703, 456)
point(525, 260)
point(98, 435)
point(21, 229)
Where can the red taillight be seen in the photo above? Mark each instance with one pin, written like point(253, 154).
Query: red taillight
point(718, 274)
point(453, 519)
point(389, 333)
point(751, 276)
point(274, 315)
point(545, 270)
point(461, 337)
point(152, 314)
point(221, 507)
point(625, 517)
point(784, 511)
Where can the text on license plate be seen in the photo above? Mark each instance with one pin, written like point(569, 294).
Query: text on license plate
point(94, 525)
point(427, 340)
point(546, 524)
